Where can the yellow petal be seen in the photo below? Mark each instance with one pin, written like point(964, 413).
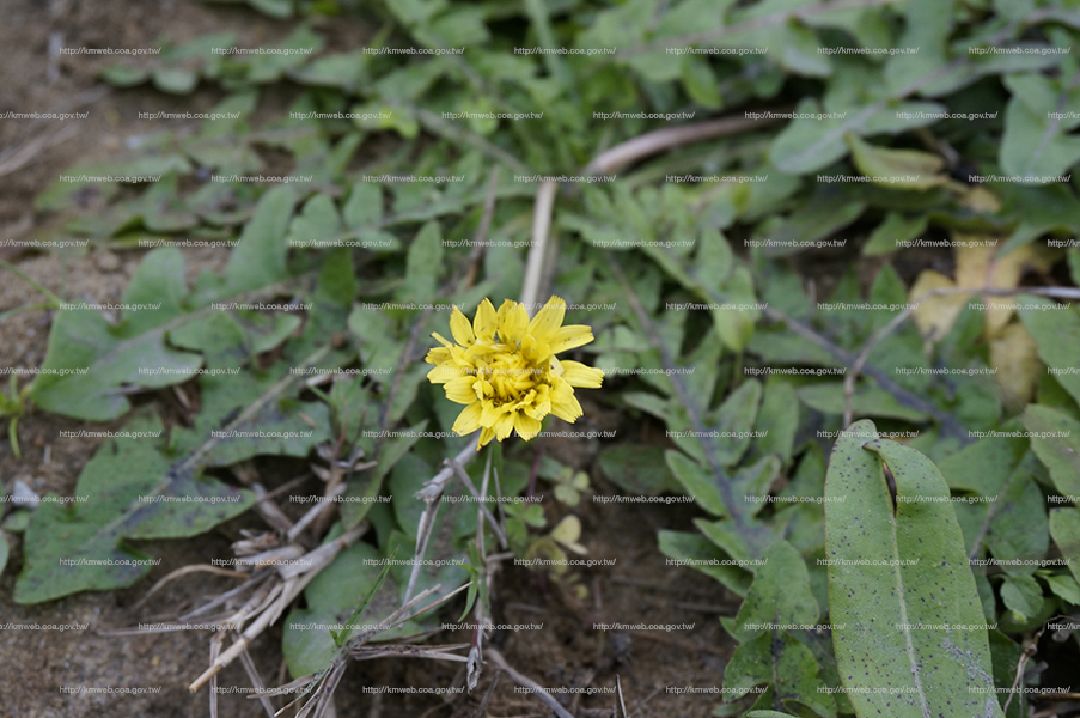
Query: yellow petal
point(563, 402)
point(548, 320)
point(460, 328)
point(504, 425)
point(468, 420)
point(526, 426)
point(441, 339)
point(513, 322)
point(444, 373)
point(486, 322)
point(437, 355)
point(486, 435)
point(570, 336)
point(492, 414)
point(461, 390)
point(577, 374)
point(541, 405)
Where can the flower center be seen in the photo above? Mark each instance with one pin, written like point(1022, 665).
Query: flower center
point(509, 375)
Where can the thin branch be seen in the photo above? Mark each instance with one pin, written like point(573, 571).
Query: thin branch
point(256, 682)
point(431, 493)
point(483, 511)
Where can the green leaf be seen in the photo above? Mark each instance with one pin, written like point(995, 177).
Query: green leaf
point(700, 82)
point(899, 169)
point(307, 642)
point(175, 80)
point(1036, 143)
point(283, 428)
point(274, 8)
point(90, 361)
point(778, 419)
point(96, 535)
point(1065, 529)
point(1056, 441)
point(1065, 586)
point(736, 417)
point(423, 266)
point(787, 666)
point(317, 223)
point(780, 594)
point(640, 470)
point(1022, 595)
point(895, 229)
point(812, 143)
point(259, 256)
point(124, 76)
point(877, 604)
point(364, 208)
point(697, 482)
point(231, 340)
point(828, 398)
point(390, 452)
point(1056, 331)
point(703, 555)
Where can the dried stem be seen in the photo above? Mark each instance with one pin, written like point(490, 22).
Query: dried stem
point(526, 682)
point(431, 493)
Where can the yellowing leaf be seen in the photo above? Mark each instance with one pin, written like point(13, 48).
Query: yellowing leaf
point(900, 169)
point(1014, 357)
point(935, 315)
point(568, 532)
point(979, 199)
point(977, 266)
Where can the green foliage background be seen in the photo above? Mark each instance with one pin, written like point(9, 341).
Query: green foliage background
point(641, 244)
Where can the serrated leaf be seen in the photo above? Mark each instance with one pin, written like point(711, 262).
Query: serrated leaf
point(828, 398)
point(638, 469)
point(1065, 529)
point(283, 428)
point(259, 256)
point(703, 555)
point(1055, 438)
point(697, 482)
point(94, 535)
point(787, 666)
point(1056, 330)
point(91, 361)
point(811, 143)
point(780, 594)
point(423, 266)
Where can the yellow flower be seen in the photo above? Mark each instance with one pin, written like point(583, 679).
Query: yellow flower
point(503, 367)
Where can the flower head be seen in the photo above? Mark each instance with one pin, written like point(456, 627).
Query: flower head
point(503, 367)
